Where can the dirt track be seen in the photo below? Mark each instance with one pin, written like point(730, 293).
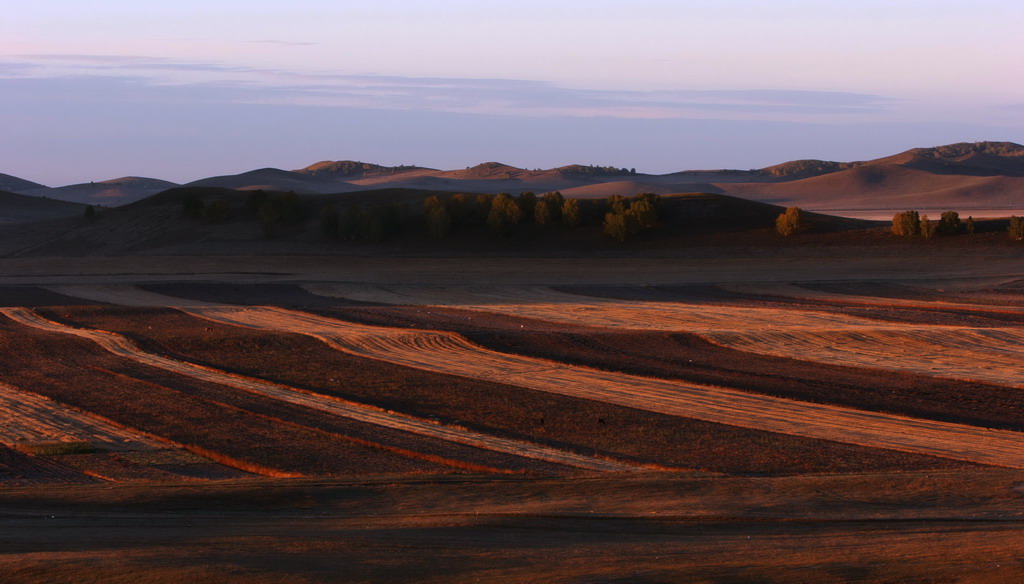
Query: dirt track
point(123, 347)
point(452, 354)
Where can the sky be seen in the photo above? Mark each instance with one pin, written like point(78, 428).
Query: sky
point(185, 90)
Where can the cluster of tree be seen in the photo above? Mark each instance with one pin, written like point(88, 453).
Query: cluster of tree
point(911, 224)
point(626, 218)
point(500, 214)
point(275, 211)
point(592, 170)
point(790, 221)
point(361, 222)
point(196, 209)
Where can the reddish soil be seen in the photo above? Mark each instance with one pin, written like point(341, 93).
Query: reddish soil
point(490, 407)
point(209, 418)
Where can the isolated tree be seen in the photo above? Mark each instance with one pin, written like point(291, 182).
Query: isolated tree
point(789, 221)
point(906, 224)
point(969, 225)
point(1016, 228)
point(571, 214)
point(949, 224)
point(927, 228)
point(89, 213)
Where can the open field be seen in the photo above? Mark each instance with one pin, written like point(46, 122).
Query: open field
point(593, 425)
point(962, 527)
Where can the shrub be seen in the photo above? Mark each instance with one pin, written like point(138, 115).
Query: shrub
point(89, 213)
point(790, 221)
point(969, 225)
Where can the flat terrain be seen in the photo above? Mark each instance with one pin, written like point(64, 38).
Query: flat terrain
point(809, 415)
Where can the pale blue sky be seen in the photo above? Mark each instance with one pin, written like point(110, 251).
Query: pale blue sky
point(96, 90)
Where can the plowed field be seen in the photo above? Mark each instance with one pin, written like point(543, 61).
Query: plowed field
point(452, 354)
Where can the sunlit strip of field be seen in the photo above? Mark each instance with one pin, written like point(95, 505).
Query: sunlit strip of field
point(28, 418)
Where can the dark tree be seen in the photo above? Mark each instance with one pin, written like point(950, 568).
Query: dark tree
point(949, 224)
point(571, 214)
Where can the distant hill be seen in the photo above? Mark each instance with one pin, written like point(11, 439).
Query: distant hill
point(13, 184)
point(981, 176)
point(110, 193)
point(16, 208)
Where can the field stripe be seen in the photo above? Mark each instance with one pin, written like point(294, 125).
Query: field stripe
point(121, 346)
point(452, 354)
point(981, 354)
point(786, 290)
point(26, 417)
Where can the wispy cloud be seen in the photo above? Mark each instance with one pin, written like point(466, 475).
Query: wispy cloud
point(240, 84)
point(284, 43)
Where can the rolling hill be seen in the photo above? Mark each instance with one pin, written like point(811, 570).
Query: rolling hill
point(985, 178)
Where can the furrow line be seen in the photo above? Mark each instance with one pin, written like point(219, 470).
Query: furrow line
point(121, 346)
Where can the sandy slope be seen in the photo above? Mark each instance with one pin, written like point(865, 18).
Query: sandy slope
point(121, 346)
point(452, 354)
